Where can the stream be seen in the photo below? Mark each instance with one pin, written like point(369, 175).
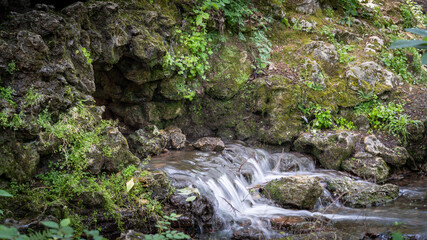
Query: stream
point(231, 180)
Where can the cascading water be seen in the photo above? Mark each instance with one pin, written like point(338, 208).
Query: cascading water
point(231, 179)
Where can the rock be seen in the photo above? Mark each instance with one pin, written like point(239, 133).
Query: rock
point(293, 162)
point(303, 25)
point(209, 144)
point(300, 192)
point(313, 72)
point(362, 123)
point(176, 138)
point(367, 167)
point(230, 70)
point(326, 52)
point(307, 6)
point(18, 160)
point(370, 77)
point(131, 235)
point(148, 141)
point(396, 156)
point(360, 193)
point(330, 148)
point(112, 154)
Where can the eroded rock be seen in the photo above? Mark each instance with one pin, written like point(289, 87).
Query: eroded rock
point(176, 137)
point(396, 156)
point(367, 166)
point(148, 141)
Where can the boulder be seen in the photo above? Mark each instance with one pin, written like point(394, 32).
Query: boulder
point(361, 193)
point(331, 148)
point(176, 137)
point(148, 141)
point(325, 53)
point(209, 144)
point(307, 6)
point(367, 166)
point(396, 156)
point(300, 192)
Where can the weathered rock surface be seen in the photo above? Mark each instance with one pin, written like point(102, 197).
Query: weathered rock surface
point(176, 137)
point(330, 148)
point(148, 141)
point(396, 156)
point(209, 144)
point(367, 166)
point(301, 192)
point(361, 193)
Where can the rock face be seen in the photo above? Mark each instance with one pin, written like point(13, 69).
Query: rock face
point(396, 156)
point(301, 192)
point(209, 144)
point(367, 166)
point(360, 193)
point(148, 141)
point(330, 148)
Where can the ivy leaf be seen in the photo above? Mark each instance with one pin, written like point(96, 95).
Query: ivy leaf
point(50, 224)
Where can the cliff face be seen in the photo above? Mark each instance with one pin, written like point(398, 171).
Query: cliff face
point(260, 71)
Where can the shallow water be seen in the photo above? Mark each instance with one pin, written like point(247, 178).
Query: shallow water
point(228, 178)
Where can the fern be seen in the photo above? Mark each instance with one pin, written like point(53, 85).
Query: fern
point(39, 235)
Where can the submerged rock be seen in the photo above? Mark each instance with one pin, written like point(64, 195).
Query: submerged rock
point(396, 156)
point(209, 144)
point(367, 166)
point(330, 148)
point(301, 192)
point(361, 193)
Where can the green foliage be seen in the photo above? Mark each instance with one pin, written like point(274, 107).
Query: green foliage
point(11, 67)
point(165, 231)
point(189, 191)
point(350, 11)
point(419, 44)
point(3, 193)
point(32, 97)
point(396, 61)
point(322, 118)
point(86, 54)
point(343, 52)
point(412, 14)
point(7, 94)
point(344, 124)
point(263, 48)
point(54, 231)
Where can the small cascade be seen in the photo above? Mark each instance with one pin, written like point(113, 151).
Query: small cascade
point(231, 179)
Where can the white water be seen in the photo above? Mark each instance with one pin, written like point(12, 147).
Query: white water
point(228, 178)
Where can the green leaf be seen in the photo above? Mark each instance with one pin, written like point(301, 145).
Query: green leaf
point(424, 58)
point(199, 19)
point(1, 212)
point(50, 224)
point(65, 222)
point(5, 194)
point(406, 43)
point(417, 31)
point(190, 199)
point(129, 185)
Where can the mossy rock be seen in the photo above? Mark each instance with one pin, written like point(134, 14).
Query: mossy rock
point(230, 69)
point(300, 192)
point(159, 111)
point(367, 167)
point(18, 160)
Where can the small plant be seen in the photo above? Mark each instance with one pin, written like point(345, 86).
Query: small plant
point(366, 96)
point(313, 85)
point(397, 63)
point(85, 53)
point(350, 11)
point(54, 231)
point(188, 191)
point(322, 118)
point(32, 97)
point(343, 52)
point(165, 231)
point(12, 68)
point(344, 124)
point(4, 194)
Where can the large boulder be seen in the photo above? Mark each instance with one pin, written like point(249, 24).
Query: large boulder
point(360, 193)
point(396, 156)
point(300, 192)
point(209, 144)
point(331, 148)
point(367, 166)
point(176, 137)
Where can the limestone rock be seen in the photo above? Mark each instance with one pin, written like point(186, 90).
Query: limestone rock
point(330, 148)
point(361, 193)
point(396, 156)
point(301, 192)
point(370, 77)
point(324, 51)
point(367, 166)
point(307, 6)
point(209, 144)
point(148, 141)
point(176, 137)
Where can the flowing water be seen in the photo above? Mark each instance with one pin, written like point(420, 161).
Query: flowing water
point(231, 179)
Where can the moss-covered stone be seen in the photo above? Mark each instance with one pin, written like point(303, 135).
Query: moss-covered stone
point(367, 167)
point(18, 160)
point(301, 192)
point(230, 70)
